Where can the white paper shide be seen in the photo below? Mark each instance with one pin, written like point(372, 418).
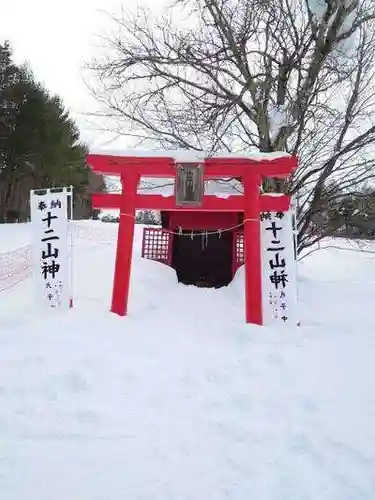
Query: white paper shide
point(51, 249)
point(278, 269)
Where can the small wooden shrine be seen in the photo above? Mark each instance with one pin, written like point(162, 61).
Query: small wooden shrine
point(204, 237)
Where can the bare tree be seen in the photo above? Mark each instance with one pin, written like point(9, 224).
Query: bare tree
point(239, 75)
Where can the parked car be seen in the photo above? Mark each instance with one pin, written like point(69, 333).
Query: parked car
point(110, 218)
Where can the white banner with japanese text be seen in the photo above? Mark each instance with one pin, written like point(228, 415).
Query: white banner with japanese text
point(279, 276)
point(51, 249)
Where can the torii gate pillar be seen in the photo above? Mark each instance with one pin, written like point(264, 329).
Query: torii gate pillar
point(121, 281)
point(252, 249)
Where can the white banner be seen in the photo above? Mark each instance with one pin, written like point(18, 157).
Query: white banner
point(51, 249)
point(279, 280)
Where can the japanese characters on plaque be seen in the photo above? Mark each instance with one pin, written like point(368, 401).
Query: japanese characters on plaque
point(49, 220)
point(278, 268)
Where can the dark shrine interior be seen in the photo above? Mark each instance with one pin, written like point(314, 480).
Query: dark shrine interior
point(203, 260)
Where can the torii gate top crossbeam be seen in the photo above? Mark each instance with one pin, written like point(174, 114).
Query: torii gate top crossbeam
point(214, 167)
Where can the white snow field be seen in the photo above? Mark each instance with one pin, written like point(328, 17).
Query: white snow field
point(182, 400)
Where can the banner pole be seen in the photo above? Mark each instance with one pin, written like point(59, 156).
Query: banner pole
point(294, 212)
point(71, 247)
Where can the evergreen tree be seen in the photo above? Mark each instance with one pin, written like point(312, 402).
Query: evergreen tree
point(9, 104)
point(45, 140)
point(40, 144)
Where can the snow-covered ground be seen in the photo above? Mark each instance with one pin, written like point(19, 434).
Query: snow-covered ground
point(182, 400)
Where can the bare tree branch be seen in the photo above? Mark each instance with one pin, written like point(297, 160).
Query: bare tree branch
point(291, 75)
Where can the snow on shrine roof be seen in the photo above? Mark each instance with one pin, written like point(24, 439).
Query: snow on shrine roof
point(181, 155)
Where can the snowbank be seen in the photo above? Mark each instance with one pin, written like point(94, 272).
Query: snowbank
point(182, 400)
point(13, 236)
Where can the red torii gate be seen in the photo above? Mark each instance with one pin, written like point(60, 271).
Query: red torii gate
point(252, 203)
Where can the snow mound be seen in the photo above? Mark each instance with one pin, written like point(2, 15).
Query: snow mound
point(183, 400)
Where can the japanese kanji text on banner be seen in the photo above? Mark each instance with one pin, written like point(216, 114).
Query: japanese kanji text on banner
point(51, 249)
point(279, 280)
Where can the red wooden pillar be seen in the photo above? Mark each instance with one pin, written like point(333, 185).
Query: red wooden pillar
point(121, 283)
point(252, 249)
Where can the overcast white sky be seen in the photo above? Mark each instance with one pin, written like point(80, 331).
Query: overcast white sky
point(57, 38)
